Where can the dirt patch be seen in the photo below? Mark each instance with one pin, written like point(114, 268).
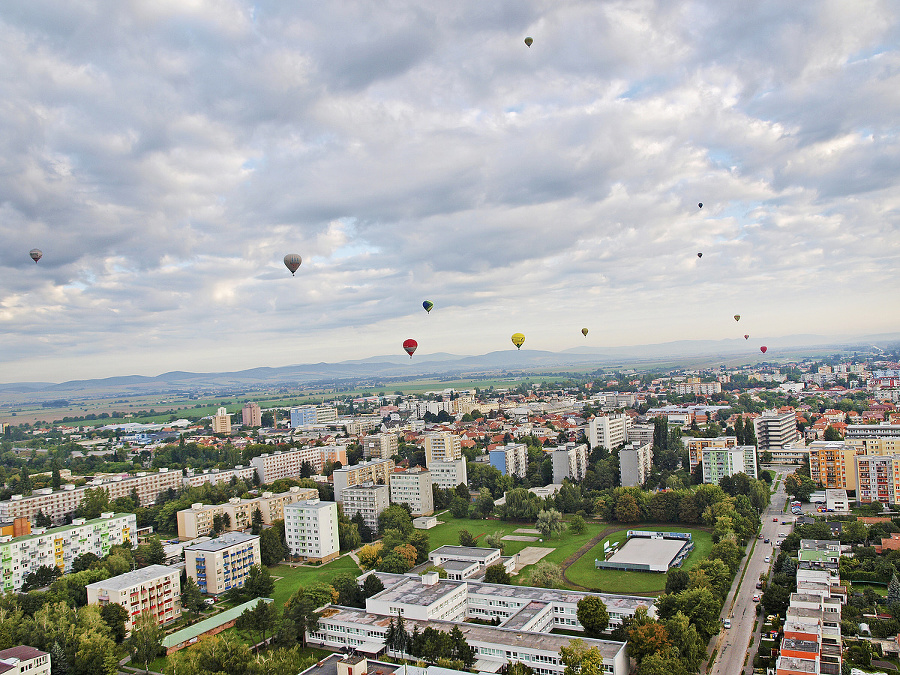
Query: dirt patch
point(532, 554)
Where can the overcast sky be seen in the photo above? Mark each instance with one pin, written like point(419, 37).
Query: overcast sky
point(166, 154)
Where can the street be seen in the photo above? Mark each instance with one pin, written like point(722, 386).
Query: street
point(732, 643)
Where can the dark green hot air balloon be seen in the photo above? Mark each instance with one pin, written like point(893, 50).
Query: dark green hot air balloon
point(428, 305)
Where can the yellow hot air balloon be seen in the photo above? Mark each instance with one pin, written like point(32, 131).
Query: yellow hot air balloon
point(584, 331)
point(529, 41)
point(518, 340)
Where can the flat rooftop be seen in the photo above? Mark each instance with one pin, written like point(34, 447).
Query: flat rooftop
point(474, 552)
point(642, 550)
point(411, 591)
point(134, 578)
point(458, 565)
point(800, 646)
point(797, 665)
point(227, 540)
point(524, 615)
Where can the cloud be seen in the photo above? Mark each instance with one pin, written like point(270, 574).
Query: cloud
point(166, 155)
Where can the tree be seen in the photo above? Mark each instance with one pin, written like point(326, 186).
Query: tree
point(459, 507)
point(893, 594)
point(658, 664)
point(372, 586)
point(419, 541)
point(40, 520)
point(646, 639)
point(115, 616)
point(191, 597)
point(258, 619)
point(677, 580)
point(832, 434)
point(59, 664)
point(151, 553)
point(271, 548)
point(44, 575)
point(395, 517)
point(300, 614)
point(145, 640)
point(581, 660)
point(497, 574)
point(592, 615)
point(257, 521)
point(96, 654)
point(259, 583)
point(220, 654)
point(485, 503)
point(466, 538)
point(84, 562)
point(549, 521)
point(577, 525)
point(349, 537)
point(546, 575)
point(94, 501)
point(495, 540)
point(370, 556)
point(627, 509)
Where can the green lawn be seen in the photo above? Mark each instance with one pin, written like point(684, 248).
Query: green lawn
point(295, 577)
point(583, 572)
point(563, 544)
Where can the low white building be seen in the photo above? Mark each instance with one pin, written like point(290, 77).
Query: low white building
point(24, 659)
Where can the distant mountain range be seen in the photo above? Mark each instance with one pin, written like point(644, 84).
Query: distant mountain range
point(382, 369)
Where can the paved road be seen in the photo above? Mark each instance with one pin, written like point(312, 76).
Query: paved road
point(731, 644)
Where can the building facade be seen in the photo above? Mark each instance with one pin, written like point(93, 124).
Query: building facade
point(369, 500)
point(635, 463)
point(155, 589)
point(24, 659)
point(413, 487)
point(608, 431)
point(380, 446)
point(510, 459)
point(448, 475)
point(251, 415)
point(61, 545)
point(775, 430)
point(442, 447)
point(223, 563)
point(569, 461)
point(374, 471)
point(311, 530)
point(721, 462)
point(221, 422)
point(833, 464)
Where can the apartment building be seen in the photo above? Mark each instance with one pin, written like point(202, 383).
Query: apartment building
point(311, 530)
point(775, 430)
point(448, 475)
point(380, 446)
point(197, 521)
point(833, 464)
point(442, 447)
point(302, 416)
point(374, 471)
point(193, 478)
point(289, 463)
point(61, 545)
point(696, 446)
point(884, 430)
point(24, 659)
point(721, 462)
point(608, 431)
point(361, 424)
point(569, 461)
point(369, 500)
point(251, 415)
point(698, 388)
point(878, 478)
point(510, 459)
point(221, 422)
point(635, 464)
point(222, 563)
point(57, 504)
point(155, 589)
point(413, 487)
point(640, 434)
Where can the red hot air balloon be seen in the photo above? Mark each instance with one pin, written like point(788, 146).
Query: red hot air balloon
point(409, 346)
point(763, 349)
point(746, 337)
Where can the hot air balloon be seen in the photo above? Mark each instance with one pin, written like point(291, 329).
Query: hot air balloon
point(763, 349)
point(292, 262)
point(529, 41)
point(584, 331)
point(518, 340)
point(699, 255)
point(36, 254)
point(428, 305)
point(700, 205)
point(737, 317)
point(409, 346)
point(746, 337)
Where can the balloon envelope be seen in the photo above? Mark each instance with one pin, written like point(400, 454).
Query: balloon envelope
point(737, 317)
point(36, 254)
point(292, 262)
point(746, 337)
point(409, 346)
point(700, 205)
point(529, 41)
point(428, 305)
point(518, 340)
point(699, 255)
point(584, 331)
point(763, 349)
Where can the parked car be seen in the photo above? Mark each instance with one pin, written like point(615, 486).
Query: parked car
point(766, 540)
point(759, 584)
point(775, 519)
point(727, 623)
point(768, 558)
point(756, 597)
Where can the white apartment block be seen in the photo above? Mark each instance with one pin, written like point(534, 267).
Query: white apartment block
point(24, 659)
point(442, 447)
point(369, 500)
point(222, 563)
point(311, 530)
point(155, 589)
point(218, 476)
point(698, 388)
point(380, 446)
point(57, 504)
point(448, 475)
point(721, 462)
point(696, 446)
point(251, 415)
point(640, 434)
point(374, 471)
point(221, 422)
point(510, 459)
point(608, 431)
point(413, 487)
point(197, 521)
point(289, 463)
point(775, 430)
point(569, 461)
point(361, 424)
point(61, 545)
point(326, 414)
point(635, 463)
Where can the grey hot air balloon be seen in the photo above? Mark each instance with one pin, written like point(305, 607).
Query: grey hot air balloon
point(36, 254)
point(292, 262)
